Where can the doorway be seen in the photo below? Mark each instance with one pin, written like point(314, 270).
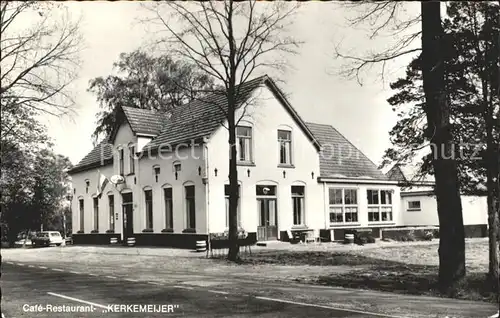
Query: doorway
point(267, 229)
point(128, 215)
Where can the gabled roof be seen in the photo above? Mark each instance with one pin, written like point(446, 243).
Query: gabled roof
point(201, 118)
point(193, 121)
point(409, 175)
point(339, 158)
point(100, 156)
point(144, 121)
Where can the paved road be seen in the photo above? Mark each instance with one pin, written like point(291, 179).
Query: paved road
point(26, 287)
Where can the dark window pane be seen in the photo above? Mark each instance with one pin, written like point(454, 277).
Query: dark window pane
point(335, 196)
point(372, 196)
point(127, 198)
point(189, 191)
point(227, 189)
point(298, 190)
point(265, 190)
point(284, 135)
point(243, 131)
point(167, 192)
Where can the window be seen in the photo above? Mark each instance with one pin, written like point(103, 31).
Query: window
point(148, 194)
point(131, 161)
point(120, 153)
point(298, 205)
point(413, 206)
point(169, 214)
point(265, 190)
point(82, 215)
point(285, 146)
point(190, 207)
point(177, 167)
point(244, 143)
point(96, 214)
point(379, 205)
point(238, 213)
point(111, 200)
point(87, 184)
point(343, 205)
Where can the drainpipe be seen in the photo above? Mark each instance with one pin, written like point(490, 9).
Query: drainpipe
point(207, 187)
point(324, 206)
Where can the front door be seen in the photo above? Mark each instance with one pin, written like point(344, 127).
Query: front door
point(268, 217)
point(128, 216)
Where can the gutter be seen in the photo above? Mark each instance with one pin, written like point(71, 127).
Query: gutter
point(356, 181)
point(89, 166)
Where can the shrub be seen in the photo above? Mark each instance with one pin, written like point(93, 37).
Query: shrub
point(409, 234)
point(428, 236)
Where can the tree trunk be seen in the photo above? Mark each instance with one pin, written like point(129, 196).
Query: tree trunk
point(487, 64)
point(496, 202)
point(233, 188)
point(231, 113)
point(451, 229)
point(491, 174)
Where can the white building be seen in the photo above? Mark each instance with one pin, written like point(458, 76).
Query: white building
point(419, 205)
point(292, 175)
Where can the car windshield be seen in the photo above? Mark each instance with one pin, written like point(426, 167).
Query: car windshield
point(44, 234)
point(55, 234)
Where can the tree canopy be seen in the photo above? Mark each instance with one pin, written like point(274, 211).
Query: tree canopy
point(466, 57)
point(145, 81)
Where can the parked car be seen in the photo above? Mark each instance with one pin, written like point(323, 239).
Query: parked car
point(48, 238)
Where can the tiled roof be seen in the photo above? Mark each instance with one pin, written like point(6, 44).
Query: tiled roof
point(339, 158)
point(201, 118)
point(408, 174)
point(144, 121)
point(192, 121)
point(395, 174)
point(100, 156)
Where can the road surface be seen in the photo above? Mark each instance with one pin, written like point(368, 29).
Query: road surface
point(38, 291)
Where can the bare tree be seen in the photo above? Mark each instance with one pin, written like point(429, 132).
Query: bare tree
point(231, 41)
point(382, 18)
point(39, 56)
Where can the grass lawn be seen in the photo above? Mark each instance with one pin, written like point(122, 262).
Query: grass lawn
point(409, 269)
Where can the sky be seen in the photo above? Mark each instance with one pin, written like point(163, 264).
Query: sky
point(316, 90)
